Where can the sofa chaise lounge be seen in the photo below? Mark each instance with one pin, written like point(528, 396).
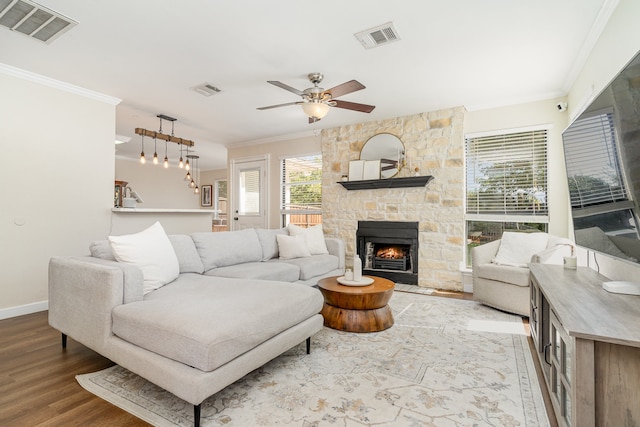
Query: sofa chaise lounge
point(202, 330)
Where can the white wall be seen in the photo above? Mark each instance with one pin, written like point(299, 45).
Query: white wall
point(210, 177)
point(533, 114)
point(58, 148)
point(616, 46)
point(277, 150)
point(158, 187)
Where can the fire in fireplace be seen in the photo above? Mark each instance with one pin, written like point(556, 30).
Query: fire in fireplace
point(389, 249)
point(392, 257)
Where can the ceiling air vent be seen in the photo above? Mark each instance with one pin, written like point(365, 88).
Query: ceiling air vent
point(374, 37)
point(33, 20)
point(206, 89)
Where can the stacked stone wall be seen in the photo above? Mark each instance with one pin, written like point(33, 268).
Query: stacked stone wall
point(434, 143)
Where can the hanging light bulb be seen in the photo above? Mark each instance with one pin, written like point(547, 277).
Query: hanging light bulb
point(142, 159)
point(186, 164)
point(166, 159)
point(181, 163)
point(193, 184)
point(155, 151)
point(188, 176)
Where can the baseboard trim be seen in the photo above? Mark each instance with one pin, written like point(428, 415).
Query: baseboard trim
point(21, 310)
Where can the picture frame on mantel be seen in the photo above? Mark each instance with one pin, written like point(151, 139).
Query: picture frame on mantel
point(206, 196)
point(356, 170)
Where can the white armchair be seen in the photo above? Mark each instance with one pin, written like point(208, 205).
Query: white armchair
point(501, 272)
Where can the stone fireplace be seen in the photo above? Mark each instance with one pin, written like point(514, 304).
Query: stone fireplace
point(389, 249)
point(434, 144)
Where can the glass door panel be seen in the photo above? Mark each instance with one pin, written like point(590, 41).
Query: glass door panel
point(250, 194)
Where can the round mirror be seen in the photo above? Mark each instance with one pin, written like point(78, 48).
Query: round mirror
point(388, 149)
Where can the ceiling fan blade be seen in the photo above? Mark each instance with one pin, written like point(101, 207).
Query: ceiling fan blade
point(286, 87)
point(363, 108)
point(345, 88)
point(278, 105)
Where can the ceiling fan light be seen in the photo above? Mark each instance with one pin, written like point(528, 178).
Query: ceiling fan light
point(315, 109)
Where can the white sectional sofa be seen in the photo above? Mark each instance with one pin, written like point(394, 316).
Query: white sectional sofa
point(233, 305)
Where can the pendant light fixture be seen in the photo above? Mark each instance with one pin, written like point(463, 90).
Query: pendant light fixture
point(155, 151)
point(180, 162)
point(187, 177)
point(142, 159)
point(196, 190)
point(194, 158)
point(190, 158)
point(166, 159)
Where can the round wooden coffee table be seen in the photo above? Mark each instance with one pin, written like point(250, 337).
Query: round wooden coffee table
point(357, 308)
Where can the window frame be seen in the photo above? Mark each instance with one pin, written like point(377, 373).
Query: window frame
point(286, 212)
point(507, 220)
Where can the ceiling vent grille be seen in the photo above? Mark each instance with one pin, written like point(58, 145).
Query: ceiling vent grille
point(207, 89)
point(374, 37)
point(33, 20)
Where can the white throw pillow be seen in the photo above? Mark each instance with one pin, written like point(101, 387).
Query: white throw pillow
point(152, 252)
point(516, 249)
point(291, 247)
point(314, 236)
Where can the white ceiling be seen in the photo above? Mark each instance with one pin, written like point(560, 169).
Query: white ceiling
point(149, 53)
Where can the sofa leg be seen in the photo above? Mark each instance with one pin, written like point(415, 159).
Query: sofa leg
point(64, 340)
point(309, 345)
point(196, 415)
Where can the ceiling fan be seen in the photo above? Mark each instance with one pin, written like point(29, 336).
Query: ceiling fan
point(317, 101)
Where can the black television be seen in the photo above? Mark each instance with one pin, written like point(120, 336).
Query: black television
point(602, 158)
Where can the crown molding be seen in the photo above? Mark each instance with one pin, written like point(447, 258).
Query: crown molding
point(57, 84)
point(599, 24)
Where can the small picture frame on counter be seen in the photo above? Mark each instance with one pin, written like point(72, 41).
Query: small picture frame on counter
point(206, 196)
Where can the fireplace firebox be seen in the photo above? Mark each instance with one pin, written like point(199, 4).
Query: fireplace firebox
point(391, 257)
point(389, 249)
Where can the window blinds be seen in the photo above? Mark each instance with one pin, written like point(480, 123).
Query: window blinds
point(507, 174)
point(593, 165)
point(301, 185)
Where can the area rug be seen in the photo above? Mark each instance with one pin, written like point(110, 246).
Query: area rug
point(445, 362)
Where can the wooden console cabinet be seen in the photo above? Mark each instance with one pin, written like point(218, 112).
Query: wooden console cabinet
point(588, 343)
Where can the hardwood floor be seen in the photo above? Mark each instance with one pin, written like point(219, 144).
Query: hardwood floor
point(37, 377)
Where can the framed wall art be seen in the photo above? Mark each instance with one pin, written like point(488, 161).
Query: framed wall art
point(206, 196)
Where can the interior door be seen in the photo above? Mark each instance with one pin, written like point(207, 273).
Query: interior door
point(249, 201)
